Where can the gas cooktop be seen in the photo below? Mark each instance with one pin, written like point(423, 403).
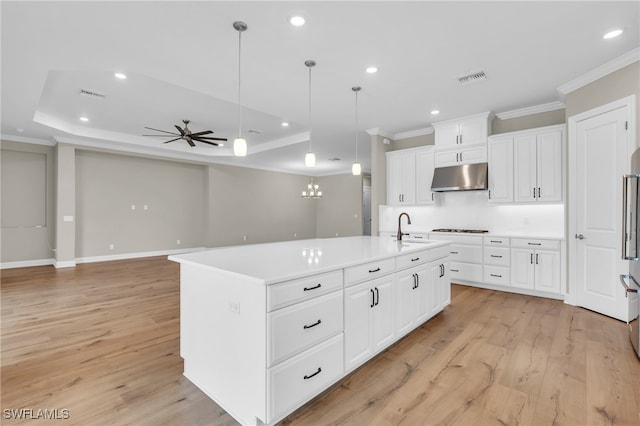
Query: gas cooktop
point(466, 231)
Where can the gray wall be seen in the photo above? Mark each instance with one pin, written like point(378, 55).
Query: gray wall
point(413, 142)
point(532, 121)
point(340, 210)
point(27, 194)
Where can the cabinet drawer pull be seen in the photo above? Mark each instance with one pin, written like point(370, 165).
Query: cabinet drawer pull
point(454, 270)
point(496, 275)
point(312, 288)
point(495, 255)
point(415, 259)
point(314, 374)
point(312, 325)
point(371, 271)
point(494, 241)
point(535, 244)
point(377, 296)
point(453, 252)
point(373, 298)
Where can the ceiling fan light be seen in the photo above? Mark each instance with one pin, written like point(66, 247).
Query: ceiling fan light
point(356, 169)
point(240, 147)
point(310, 159)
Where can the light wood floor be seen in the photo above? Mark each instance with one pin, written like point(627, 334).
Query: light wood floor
point(102, 341)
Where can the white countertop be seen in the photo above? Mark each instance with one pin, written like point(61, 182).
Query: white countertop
point(509, 234)
point(274, 262)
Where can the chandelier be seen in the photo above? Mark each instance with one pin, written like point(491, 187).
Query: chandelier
point(312, 191)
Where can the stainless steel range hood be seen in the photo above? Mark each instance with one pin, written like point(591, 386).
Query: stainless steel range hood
point(466, 177)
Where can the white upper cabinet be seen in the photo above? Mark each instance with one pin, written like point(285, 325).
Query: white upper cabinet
point(500, 158)
point(463, 131)
point(538, 165)
point(409, 176)
point(461, 155)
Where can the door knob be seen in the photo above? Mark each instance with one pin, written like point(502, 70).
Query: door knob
point(580, 236)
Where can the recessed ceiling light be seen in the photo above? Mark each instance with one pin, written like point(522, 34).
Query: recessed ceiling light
point(297, 21)
point(120, 75)
point(285, 124)
point(435, 112)
point(612, 34)
point(84, 119)
point(372, 70)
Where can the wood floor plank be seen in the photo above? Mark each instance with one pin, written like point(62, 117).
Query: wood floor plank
point(102, 340)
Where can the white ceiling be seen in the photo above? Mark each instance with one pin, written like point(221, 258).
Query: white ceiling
point(181, 59)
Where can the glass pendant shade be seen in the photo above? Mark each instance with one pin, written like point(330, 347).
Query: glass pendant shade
point(240, 147)
point(310, 159)
point(356, 169)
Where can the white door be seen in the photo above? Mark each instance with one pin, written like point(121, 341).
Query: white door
point(358, 301)
point(549, 159)
point(366, 210)
point(500, 153)
point(601, 157)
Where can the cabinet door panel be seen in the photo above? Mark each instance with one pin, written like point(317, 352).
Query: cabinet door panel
point(424, 176)
point(383, 333)
point(445, 285)
point(524, 153)
point(446, 135)
point(446, 158)
point(422, 295)
point(473, 130)
point(404, 311)
point(476, 154)
point(409, 178)
point(500, 154)
point(547, 276)
point(549, 167)
point(357, 324)
point(394, 179)
point(522, 271)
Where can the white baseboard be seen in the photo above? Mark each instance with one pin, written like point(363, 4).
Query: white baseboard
point(65, 264)
point(27, 263)
point(124, 256)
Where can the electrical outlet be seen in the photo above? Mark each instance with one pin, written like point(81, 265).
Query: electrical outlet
point(146, 207)
point(178, 242)
point(245, 238)
point(111, 246)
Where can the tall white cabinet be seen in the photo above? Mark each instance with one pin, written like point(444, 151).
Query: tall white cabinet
point(409, 176)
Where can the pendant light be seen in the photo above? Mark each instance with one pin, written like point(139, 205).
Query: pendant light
point(239, 144)
point(312, 191)
point(310, 158)
point(356, 169)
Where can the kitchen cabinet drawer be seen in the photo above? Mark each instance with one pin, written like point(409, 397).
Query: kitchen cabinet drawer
point(369, 270)
point(465, 272)
point(290, 292)
point(299, 379)
point(456, 238)
point(496, 275)
point(412, 259)
point(497, 256)
point(535, 244)
point(302, 325)
point(464, 253)
point(439, 252)
point(496, 241)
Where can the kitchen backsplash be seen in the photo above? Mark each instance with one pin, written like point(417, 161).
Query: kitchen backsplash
point(470, 209)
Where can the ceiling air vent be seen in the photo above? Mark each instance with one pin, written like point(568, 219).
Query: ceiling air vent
point(472, 78)
point(334, 159)
point(92, 94)
point(257, 132)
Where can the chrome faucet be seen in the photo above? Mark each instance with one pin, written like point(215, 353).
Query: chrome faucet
point(400, 234)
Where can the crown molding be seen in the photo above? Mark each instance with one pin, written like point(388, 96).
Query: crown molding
point(413, 133)
point(602, 71)
point(536, 109)
point(379, 132)
point(13, 138)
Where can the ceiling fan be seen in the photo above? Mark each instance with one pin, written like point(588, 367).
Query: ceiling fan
point(188, 136)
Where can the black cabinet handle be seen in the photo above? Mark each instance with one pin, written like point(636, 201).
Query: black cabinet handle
point(314, 374)
point(313, 325)
point(441, 271)
point(377, 296)
point(371, 271)
point(415, 259)
point(532, 258)
point(536, 258)
point(535, 244)
point(495, 255)
point(312, 288)
point(496, 275)
point(494, 241)
point(373, 298)
point(538, 192)
point(417, 280)
point(534, 193)
point(453, 252)
point(454, 270)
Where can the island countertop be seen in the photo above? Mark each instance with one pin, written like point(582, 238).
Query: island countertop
point(275, 262)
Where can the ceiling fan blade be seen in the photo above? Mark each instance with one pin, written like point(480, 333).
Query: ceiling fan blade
point(164, 136)
point(210, 143)
point(210, 139)
point(158, 130)
point(179, 129)
point(173, 140)
point(189, 141)
point(204, 132)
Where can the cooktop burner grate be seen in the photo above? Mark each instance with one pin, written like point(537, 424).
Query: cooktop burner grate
point(466, 231)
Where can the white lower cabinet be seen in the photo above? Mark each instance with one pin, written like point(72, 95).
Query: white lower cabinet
point(413, 288)
point(536, 268)
point(368, 319)
point(440, 286)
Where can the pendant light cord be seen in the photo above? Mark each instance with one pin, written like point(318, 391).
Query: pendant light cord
point(309, 109)
point(239, 83)
point(356, 128)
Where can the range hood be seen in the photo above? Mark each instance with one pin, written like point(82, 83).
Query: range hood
point(466, 177)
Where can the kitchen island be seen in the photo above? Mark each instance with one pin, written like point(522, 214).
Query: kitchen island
point(265, 328)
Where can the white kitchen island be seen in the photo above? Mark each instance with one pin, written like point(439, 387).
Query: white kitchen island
point(264, 328)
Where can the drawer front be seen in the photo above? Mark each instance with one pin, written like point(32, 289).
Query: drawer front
point(470, 254)
point(290, 292)
point(298, 327)
point(465, 272)
point(497, 256)
point(456, 238)
point(412, 259)
point(496, 275)
point(439, 252)
point(535, 244)
point(369, 271)
point(496, 241)
point(299, 379)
